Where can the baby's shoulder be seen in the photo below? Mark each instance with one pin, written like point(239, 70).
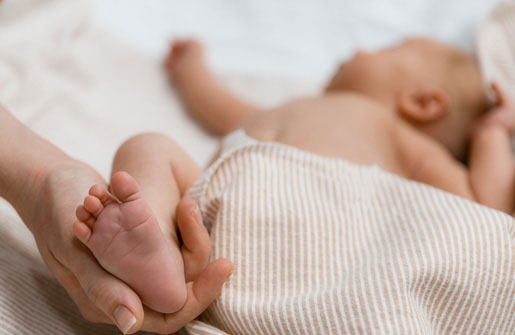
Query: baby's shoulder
point(415, 150)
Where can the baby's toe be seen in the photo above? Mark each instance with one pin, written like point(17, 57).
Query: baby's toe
point(124, 187)
point(93, 205)
point(82, 231)
point(84, 215)
point(100, 192)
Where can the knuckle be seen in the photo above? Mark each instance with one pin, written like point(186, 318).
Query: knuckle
point(67, 280)
point(103, 296)
point(90, 316)
point(97, 293)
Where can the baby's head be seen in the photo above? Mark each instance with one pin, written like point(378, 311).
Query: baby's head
point(435, 87)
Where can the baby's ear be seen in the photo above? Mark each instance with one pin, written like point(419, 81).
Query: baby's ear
point(423, 105)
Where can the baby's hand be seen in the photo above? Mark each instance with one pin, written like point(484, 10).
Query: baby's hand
point(502, 114)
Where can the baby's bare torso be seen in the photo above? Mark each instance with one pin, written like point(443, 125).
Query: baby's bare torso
point(336, 125)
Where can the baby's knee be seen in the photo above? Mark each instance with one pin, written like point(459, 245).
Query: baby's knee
point(145, 142)
point(150, 138)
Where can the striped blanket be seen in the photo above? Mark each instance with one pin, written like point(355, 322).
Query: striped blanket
point(322, 246)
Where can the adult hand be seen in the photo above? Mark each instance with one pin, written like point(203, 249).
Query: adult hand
point(101, 297)
point(204, 279)
point(45, 186)
point(57, 190)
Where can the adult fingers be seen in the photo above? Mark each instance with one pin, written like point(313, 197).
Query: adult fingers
point(72, 286)
point(117, 301)
point(201, 293)
point(196, 244)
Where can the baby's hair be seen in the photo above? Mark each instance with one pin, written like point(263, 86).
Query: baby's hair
point(463, 83)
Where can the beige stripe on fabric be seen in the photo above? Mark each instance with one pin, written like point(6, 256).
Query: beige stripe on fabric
point(322, 246)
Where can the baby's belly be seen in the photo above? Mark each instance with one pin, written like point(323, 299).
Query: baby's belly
point(343, 126)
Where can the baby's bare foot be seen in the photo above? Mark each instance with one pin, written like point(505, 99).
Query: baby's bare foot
point(124, 236)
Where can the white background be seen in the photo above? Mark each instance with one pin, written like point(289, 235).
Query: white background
point(292, 37)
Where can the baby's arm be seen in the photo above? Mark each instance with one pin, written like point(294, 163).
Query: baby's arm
point(491, 163)
point(490, 179)
point(204, 97)
point(435, 166)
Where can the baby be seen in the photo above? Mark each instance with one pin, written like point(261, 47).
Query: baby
point(417, 110)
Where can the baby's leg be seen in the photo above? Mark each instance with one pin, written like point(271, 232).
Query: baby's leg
point(206, 100)
point(133, 235)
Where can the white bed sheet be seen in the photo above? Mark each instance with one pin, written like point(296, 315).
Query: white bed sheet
point(288, 37)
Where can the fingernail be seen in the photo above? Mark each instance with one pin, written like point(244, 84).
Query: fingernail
point(124, 318)
point(231, 272)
